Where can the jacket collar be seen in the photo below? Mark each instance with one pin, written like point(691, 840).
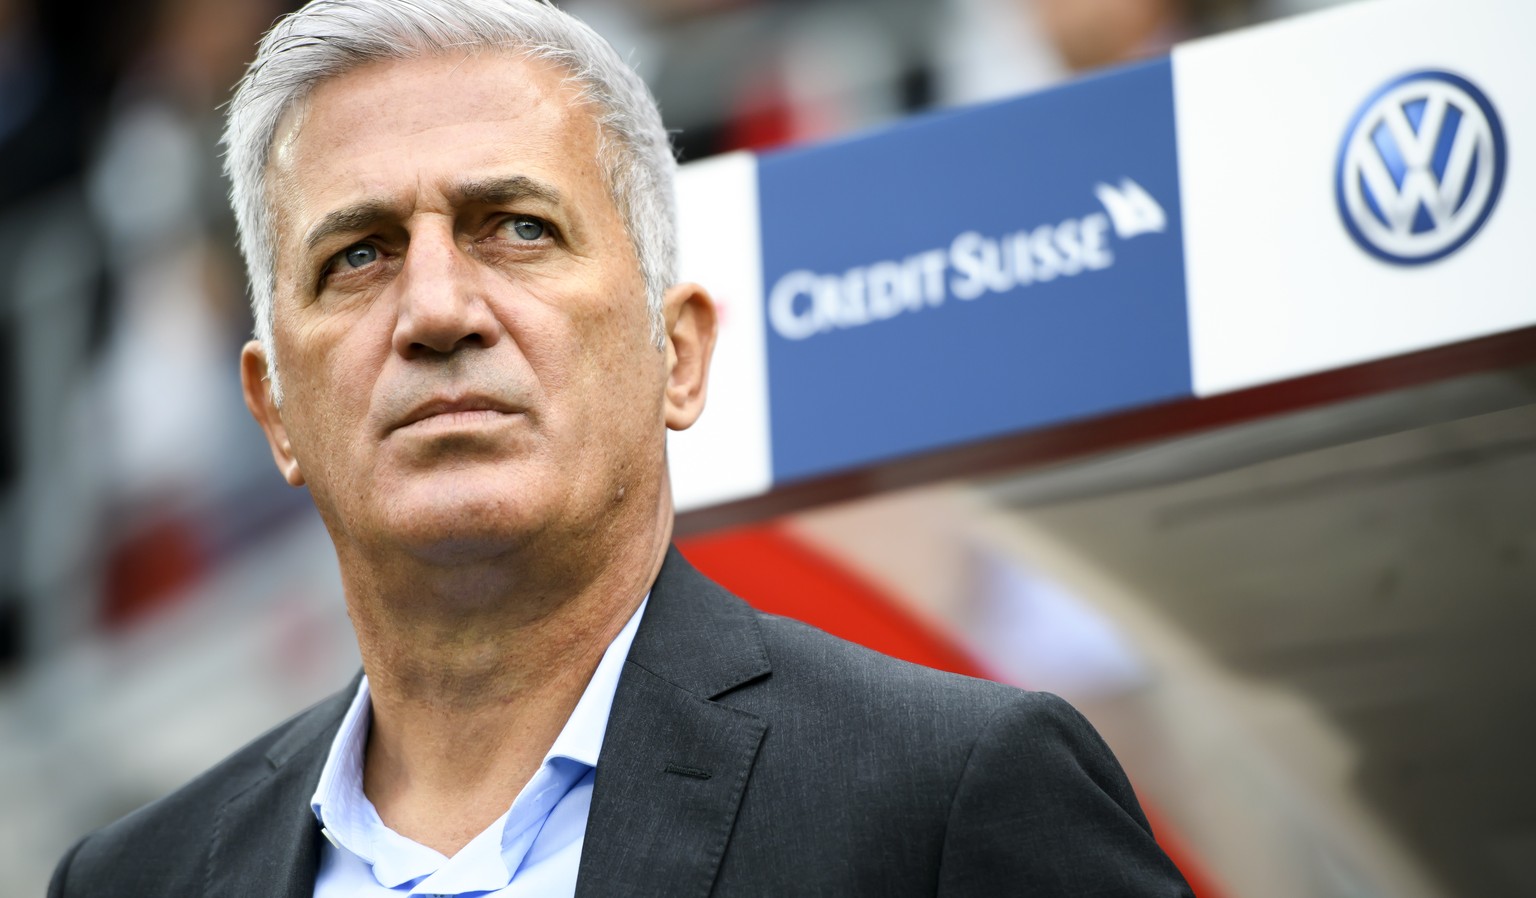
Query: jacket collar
point(697, 636)
point(675, 763)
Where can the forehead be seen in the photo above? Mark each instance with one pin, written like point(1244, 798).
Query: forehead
point(407, 130)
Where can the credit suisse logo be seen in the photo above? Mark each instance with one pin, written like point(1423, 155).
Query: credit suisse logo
point(804, 303)
point(1420, 168)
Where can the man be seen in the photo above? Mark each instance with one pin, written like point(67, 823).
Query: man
point(458, 222)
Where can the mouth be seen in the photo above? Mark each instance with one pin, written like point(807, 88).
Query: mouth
point(455, 412)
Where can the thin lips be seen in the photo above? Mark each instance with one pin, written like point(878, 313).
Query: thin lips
point(448, 406)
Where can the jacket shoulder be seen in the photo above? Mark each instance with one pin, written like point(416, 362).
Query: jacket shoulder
point(806, 657)
point(1043, 807)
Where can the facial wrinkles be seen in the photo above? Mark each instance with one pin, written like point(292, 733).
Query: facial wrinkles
point(540, 323)
point(577, 248)
point(286, 158)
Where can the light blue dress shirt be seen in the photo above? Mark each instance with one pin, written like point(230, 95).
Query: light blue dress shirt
point(531, 850)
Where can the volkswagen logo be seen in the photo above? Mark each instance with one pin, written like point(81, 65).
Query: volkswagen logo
point(1420, 168)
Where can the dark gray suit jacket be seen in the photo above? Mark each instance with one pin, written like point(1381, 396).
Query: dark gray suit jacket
point(746, 755)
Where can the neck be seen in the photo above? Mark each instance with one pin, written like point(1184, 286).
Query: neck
point(474, 668)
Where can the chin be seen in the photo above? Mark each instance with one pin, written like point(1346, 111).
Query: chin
point(460, 525)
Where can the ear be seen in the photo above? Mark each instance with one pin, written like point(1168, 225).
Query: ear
point(690, 319)
point(258, 398)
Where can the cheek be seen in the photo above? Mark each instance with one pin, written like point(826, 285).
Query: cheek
point(602, 375)
point(327, 383)
point(575, 328)
point(622, 357)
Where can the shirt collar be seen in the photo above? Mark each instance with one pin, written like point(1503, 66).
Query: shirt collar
point(349, 820)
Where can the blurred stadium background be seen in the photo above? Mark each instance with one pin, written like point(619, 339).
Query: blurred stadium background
point(1305, 635)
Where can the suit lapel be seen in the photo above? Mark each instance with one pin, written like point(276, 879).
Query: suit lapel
point(674, 763)
point(266, 839)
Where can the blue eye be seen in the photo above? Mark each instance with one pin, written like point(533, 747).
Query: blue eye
point(360, 255)
point(527, 228)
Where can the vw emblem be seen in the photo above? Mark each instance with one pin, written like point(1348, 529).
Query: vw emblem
point(1420, 168)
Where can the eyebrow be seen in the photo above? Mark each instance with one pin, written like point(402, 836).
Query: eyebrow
point(365, 215)
point(360, 217)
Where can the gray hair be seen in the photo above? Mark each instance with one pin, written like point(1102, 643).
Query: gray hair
point(327, 38)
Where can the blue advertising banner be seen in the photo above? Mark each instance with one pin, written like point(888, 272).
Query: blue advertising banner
point(973, 274)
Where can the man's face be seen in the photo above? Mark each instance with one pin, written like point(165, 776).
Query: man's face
point(460, 324)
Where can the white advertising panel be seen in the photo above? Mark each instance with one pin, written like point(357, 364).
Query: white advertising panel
point(1351, 188)
point(725, 455)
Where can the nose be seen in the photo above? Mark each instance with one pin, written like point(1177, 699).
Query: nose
point(441, 308)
